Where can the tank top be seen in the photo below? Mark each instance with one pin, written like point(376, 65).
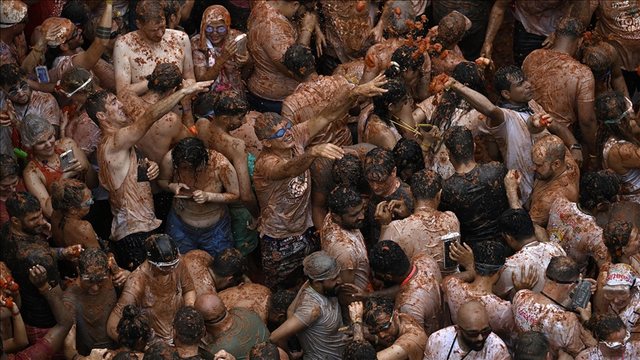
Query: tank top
point(51, 175)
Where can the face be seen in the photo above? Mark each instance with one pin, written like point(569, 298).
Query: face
point(114, 110)
point(19, 93)
point(282, 137)
point(618, 298)
point(520, 91)
point(330, 287)
point(75, 40)
point(8, 185)
point(44, 145)
point(353, 218)
point(382, 186)
point(543, 169)
point(153, 29)
point(33, 223)
point(217, 31)
point(94, 279)
point(386, 329)
point(617, 340)
point(87, 201)
point(474, 335)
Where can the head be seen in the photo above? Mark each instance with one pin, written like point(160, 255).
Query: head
point(613, 113)
point(71, 197)
point(162, 252)
point(460, 145)
point(598, 190)
point(548, 155)
point(393, 100)
point(347, 171)
point(323, 273)
point(610, 331)
point(389, 262)
point(280, 301)
point(473, 325)
point(380, 171)
point(288, 8)
point(189, 154)
point(150, 20)
point(409, 60)
point(452, 28)
point(359, 350)
point(13, 82)
point(379, 316)
point(619, 286)
point(467, 73)
point(37, 255)
point(426, 185)
point(172, 12)
point(76, 84)
point(516, 227)
point(489, 258)
point(408, 157)
point(68, 38)
point(347, 208)
point(622, 238)
point(25, 214)
point(532, 345)
point(38, 136)
point(188, 326)
point(165, 77)
point(134, 330)
point(264, 351)
point(228, 268)
point(569, 30)
point(9, 175)
point(215, 25)
point(401, 12)
point(106, 110)
point(599, 60)
point(229, 108)
point(13, 16)
point(300, 61)
point(274, 131)
point(161, 351)
point(512, 85)
point(212, 310)
point(563, 273)
point(93, 271)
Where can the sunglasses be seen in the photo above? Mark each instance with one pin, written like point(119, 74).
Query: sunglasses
point(22, 87)
point(219, 29)
point(384, 326)
point(95, 279)
point(280, 133)
point(474, 334)
point(564, 282)
point(82, 86)
point(615, 345)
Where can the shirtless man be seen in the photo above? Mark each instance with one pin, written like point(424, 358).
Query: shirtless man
point(137, 53)
point(203, 182)
point(557, 176)
point(120, 168)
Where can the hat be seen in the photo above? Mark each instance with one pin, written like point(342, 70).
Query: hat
point(620, 274)
point(161, 249)
point(211, 14)
point(63, 34)
point(11, 12)
point(320, 266)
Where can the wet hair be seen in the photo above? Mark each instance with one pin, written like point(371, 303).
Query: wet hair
point(10, 74)
point(230, 262)
point(160, 350)
point(299, 60)
point(74, 78)
point(459, 143)
point(451, 29)
point(203, 104)
point(387, 257)
point(347, 171)
point(133, 327)
point(517, 224)
point(617, 234)
point(553, 148)
point(32, 128)
point(21, 203)
point(126, 355)
point(150, 10)
point(374, 307)
point(92, 257)
point(562, 268)
point(96, 102)
point(359, 350)
point(598, 187)
point(507, 76)
point(37, 255)
point(230, 103)
point(66, 194)
point(378, 164)
point(264, 351)
point(489, 257)
point(408, 156)
point(426, 184)
point(161, 248)
point(171, 7)
point(603, 325)
point(610, 106)
point(265, 123)
point(397, 92)
point(569, 27)
point(598, 59)
point(192, 151)
point(531, 345)
point(341, 199)
point(466, 73)
point(408, 58)
point(165, 77)
point(189, 325)
point(8, 167)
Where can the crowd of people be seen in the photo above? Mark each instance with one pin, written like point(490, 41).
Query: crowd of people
point(320, 179)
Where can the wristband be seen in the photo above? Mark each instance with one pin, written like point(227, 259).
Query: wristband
point(575, 147)
point(193, 129)
point(103, 32)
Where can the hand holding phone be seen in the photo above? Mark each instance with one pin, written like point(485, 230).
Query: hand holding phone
point(447, 240)
point(66, 159)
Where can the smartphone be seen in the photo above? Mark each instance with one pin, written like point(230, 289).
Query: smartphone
point(42, 74)
point(447, 240)
point(241, 43)
point(581, 295)
point(143, 166)
point(66, 158)
point(185, 193)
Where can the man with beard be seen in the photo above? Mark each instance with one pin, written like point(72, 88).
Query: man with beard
point(315, 314)
point(470, 339)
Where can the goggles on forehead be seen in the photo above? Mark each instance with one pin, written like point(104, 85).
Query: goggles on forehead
point(84, 85)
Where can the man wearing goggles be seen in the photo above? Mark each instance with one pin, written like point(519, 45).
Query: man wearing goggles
point(613, 340)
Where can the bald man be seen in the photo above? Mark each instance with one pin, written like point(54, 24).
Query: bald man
point(557, 176)
point(235, 331)
point(470, 339)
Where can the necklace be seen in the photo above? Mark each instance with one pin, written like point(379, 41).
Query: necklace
point(554, 301)
point(451, 349)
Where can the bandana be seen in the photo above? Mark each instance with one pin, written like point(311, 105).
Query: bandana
point(11, 12)
point(320, 266)
point(211, 14)
point(519, 108)
point(63, 34)
point(620, 274)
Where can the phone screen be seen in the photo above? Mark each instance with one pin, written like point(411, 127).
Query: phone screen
point(447, 240)
point(66, 158)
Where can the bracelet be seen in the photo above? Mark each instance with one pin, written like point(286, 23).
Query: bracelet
point(103, 32)
point(575, 147)
point(193, 129)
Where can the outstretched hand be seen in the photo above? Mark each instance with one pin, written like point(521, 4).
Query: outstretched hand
point(527, 280)
point(372, 87)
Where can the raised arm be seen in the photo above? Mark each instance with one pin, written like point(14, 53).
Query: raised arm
point(280, 169)
point(89, 58)
point(495, 21)
point(478, 102)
